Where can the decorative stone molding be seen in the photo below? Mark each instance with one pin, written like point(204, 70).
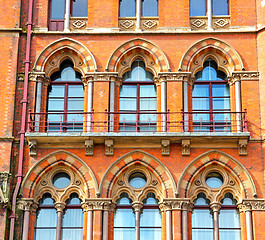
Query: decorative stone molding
point(59, 206)
point(89, 147)
point(253, 205)
point(215, 206)
point(126, 24)
point(243, 76)
point(149, 24)
point(221, 23)
point(165, 145)
point(79, 24)
point(27, 204)
point(177, 204)
point(176, 76)
point(109, 147)
point(32, 147)
point(98, 204)
point(137, 206)
point(101, 77)
point(242, 147)
point(4, 188)
point(185, 147)
point(197, 23)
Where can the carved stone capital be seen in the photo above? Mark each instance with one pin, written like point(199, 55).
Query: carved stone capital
point(242, 147)
point(98, 204)
point(109, 147)
point(137, 206)
point(39, 77)
point(59, 206)
point(185, 147)
point(27, 204)
point(215, 206)
point(87, 207)
point(253, 205)
point(165, 145)
point(175, 77)
point(89, 147)
point(101, 77)
point(177, 204)
point(32, 147)
point(243, 76)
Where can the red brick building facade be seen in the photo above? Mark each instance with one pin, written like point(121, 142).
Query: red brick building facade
point(98, 96)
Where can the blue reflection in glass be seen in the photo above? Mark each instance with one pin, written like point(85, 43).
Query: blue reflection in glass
point(197, 7)
point(127, 8)
point(61, 180)
point(150, 8)
point(137, 180)
point(214, 180)
point(220, 7)
point(57, 9)
point(80, 8)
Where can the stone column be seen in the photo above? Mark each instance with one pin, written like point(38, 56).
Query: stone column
point(216, 209)
point(28, 205)
point(249, 221)
point(164, 104)
point(137, 206)
point(210, 15)
point(238, 105)
point(185, 208)
point(88, 82)
point(88, 209)
point(138, 14)
point(67, 16)
point(59, 208)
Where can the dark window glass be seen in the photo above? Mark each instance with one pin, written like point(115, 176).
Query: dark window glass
point(72, 227)
point(214, 180)
point(61, 180)
point(127, 8)
point(220, 7)
point(57, 9)
point(80, 8)
point(124, 220)
point(137, 180)
point(46, 218)
point(202, 219)
point(210, 99)
point(138, 95)
point(197, 7)
point(65, 100)
point(149, 8)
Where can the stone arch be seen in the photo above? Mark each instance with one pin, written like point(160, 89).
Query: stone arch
point(155, 60)
point(227, 58)
point(51, 57)
point(51, 161)
point(141, 158)
point(216, 157)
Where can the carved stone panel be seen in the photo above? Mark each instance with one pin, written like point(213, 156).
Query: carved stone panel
point(165, 144)
point(89, 147)
point(109, 148)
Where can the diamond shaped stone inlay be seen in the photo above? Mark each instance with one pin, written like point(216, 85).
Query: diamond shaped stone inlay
point(221, 23)
point(150, 24)
point(79, 24)
point(198, 23)
point(127, 24)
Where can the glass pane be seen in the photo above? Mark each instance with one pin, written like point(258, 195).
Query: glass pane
point(127, 104)
point(57, 11)
point(68, 74)
point(202, 234)
point(150, 8)
point(147, 118)
point(222, 117)
point(137, 180)
point(147, 91)
point(77, 118)
point(229, 234)
point(124, 234)
point(128, 91)
point(201, 118)
point(214, 180)
point(197, 7)
point(75, 91)
point(221, 104)
point(150, 218)
point(202, 218)
point(127, 8)
point(200, 91)
point(200, 104)
point(46, 218)
point(124, 218)
point(229, 218)
point(220, 7)
point(61, 180)
point(80, 8)
point(138, 71)
point(44, 234)
point(127, 118)
point(72, 234)
point(56, 91)
point(148, 104)
point(220, 90)
point(75, 104)
point(56, 105)
point(154, 234)
point(73, 218)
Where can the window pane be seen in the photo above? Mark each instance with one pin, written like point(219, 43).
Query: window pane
point(221, 103)
point(200, 104)
point(128, 91)
point(147, 91)
point(56, 105)
point(57, 11)
point(197, 7)
point(124, 218)
point(73, 218)
point(148, 104)
point(128, 104)
point(202, 234)
point(80, 8)
point(138, 72)
point(150, 8)
point(75, 91)
point(77, 118)
point(56, 91)
point(127, 8)
point(220, 7)
point(75, 104)
point(150, 218)
point(202, 218)
point(68, 74)
point(44, 234)
point(229, 218)
point(154, 234)
point(200, 91)
point(220, 90)
point(72, 234)
point(124, 234)
point(229, 234)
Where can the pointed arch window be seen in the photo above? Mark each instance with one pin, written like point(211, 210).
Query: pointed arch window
point(65, 100)
point(211, 99)
point(138, 99)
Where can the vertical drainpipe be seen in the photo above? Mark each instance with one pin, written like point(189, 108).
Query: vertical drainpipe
point(23, 121)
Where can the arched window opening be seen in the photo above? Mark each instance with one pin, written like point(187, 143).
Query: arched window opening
point(211, 99)
point(138, 99)
point(202, 219)
point(46, 219)
point(124, 220)
point(150, 220)
point(65, 100)
point(229, 219)
point(149, 8)
point(72, 227)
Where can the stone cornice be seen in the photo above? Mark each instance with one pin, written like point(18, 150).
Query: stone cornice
point(252, 205)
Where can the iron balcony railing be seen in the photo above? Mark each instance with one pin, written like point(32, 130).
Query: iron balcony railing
point(195, 121)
